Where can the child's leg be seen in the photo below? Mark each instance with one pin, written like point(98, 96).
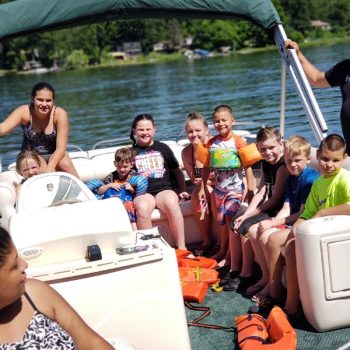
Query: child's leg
point(264, 237)
point(144, 206)
point(247, 257)
point(235, 251)
point(272, 251)
point(168, 202)
point(221, 254)
point(254, 238)
point(292, 302)
point(228, 207)
point(204, 224)
point(134, 226)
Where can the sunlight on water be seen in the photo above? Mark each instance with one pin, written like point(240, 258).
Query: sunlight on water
point(101, 103)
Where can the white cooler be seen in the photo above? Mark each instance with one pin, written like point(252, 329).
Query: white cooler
point(323, 263)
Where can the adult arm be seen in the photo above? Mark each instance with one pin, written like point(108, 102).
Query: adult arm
point(56, 308)
point(62, 127)
point(314, 75)
point(19, 116)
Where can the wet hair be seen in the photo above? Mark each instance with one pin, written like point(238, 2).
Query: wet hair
point(268, 132)
point(196, 116)
point(42, 86)
point(333, 143)
point(297, 145)
point(5, 245)
point(134, 124)
point(223, 108)
point(125, 154)
point(26, 154)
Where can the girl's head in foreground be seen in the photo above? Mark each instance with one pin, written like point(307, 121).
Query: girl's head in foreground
point(197, 129)
point(28, 164)
point(224, 120)
point(297, 154)
point(331, 154)
point(12, 269)
point(142, 130)
point(43, 95)
point(269, 143)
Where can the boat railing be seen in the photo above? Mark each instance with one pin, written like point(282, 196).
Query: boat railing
point(112, 142)
point(302, 86)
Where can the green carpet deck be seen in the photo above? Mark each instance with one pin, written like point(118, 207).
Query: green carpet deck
point(226, 305)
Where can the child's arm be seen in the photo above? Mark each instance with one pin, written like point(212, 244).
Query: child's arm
point(205, 177)
point(102, 189)
point(278, 191)
point(295, 226)
point(250, 185)
point(180, 179)
point(282, 218)
point(130, 188)
point(342, 209)
point(188, 163)
point(256, 201)
point(139, 184)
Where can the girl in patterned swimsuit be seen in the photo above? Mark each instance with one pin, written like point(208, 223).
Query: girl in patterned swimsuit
point(45, 129)
point(22, 325)
point(197, 131)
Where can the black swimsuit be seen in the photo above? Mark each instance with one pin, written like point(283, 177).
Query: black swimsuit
point(198, 172)
point(42, 333)
point(43, 144)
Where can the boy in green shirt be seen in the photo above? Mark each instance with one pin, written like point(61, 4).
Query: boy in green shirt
point(329, 195)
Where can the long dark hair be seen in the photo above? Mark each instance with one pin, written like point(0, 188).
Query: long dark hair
point(42, 86)
point(134, 124)
point(5, 245)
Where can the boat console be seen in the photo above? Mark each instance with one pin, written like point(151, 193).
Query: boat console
point(123, 283)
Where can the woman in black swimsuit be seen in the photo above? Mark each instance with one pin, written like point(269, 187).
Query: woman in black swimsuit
point(198, 132)
point(33, 315)
point(45, 129)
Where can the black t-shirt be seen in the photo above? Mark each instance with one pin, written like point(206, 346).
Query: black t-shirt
point(154, 162)
point(339, 75)
point(270, 173)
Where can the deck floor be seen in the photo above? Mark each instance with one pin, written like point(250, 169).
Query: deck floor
point(226, 305)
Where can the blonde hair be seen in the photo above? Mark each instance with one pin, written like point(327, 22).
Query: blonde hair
point(24, 155)
point(196, 116)
point(297, 145)
point(268, 132)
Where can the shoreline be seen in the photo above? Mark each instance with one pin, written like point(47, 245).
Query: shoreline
point(153, 58)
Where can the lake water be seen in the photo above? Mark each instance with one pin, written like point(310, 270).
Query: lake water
point(102, 102)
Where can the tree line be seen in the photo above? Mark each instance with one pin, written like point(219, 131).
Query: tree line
point(91, 44)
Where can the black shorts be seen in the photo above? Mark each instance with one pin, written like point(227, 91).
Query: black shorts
point(243, 229)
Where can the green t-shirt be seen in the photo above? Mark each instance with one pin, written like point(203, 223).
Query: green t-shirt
point(327, 193)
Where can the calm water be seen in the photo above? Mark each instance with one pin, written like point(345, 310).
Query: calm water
point(102, 102)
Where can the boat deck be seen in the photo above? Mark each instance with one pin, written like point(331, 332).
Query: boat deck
point(225, 306)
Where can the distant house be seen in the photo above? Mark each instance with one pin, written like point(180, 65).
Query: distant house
point(118, 55)
point(320, 24)
point(132, 48)
point(165, 46)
